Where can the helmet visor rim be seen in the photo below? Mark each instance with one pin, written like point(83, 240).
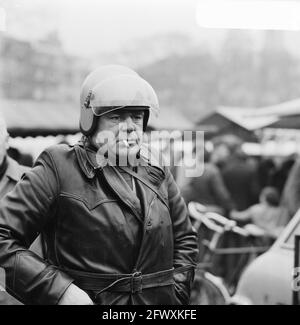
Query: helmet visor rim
point(100, 110)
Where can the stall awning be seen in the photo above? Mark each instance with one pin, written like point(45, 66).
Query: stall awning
point(287, 122)
point(287, 113)
point(170, 119)
point(248, 119)
point(32, 118)
point(242, 122)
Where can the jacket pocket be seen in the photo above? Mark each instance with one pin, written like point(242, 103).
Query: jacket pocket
point(90, 204)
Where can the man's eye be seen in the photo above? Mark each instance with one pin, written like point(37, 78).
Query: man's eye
point(138, 116)
point(115, 117)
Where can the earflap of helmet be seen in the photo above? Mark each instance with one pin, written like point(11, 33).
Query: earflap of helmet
point(88, 124)
point(88, 121)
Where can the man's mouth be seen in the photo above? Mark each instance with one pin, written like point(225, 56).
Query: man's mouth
point(129, 143)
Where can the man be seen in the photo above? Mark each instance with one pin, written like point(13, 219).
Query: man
point(241, 179)
point(209, 188)
point(114, 234)
point(10, 174)
point(10, 170)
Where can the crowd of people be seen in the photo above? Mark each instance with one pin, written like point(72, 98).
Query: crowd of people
point(247, 188)
point(260, 194)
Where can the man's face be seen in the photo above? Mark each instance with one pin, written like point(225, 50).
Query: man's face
point(120, 132)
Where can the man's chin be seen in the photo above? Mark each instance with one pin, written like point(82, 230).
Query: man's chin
point(127, 156)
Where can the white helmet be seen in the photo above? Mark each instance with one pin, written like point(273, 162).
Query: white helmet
point(110, 88)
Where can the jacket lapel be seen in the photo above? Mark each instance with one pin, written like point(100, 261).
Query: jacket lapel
point(119, 186)
point(149, 180)
point(148, 184)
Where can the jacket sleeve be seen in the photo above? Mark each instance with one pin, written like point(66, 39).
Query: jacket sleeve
point(23, 214)
point(185, 240)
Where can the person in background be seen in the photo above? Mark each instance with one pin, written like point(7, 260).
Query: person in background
point(10, 170)
point(267, 215)
point(220, 155)
point(281, 173)
point(266, 169)
point(241, 179)
point(10, 174)
point(209, 189)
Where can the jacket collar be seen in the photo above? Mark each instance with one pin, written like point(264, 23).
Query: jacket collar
point(89, 163)
point(86, 159)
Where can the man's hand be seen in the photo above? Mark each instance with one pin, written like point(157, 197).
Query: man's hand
point(75, 296)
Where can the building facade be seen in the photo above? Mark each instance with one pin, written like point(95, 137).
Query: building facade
point(39, 71)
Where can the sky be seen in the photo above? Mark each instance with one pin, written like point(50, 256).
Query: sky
point(87, 27)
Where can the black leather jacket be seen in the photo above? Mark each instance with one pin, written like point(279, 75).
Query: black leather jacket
point(93, 223)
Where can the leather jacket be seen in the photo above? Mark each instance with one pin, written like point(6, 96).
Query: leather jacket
point(93, 225)
point(8, 181)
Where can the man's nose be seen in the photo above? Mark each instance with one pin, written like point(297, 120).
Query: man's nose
point(129, 125)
